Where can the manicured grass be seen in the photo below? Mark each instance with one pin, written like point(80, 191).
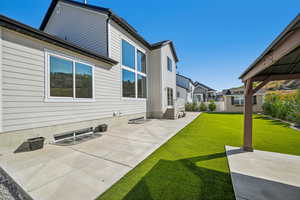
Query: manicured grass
point(193, 164)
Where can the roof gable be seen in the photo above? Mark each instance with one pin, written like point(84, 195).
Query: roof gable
point(27, 30)
point(120, 21)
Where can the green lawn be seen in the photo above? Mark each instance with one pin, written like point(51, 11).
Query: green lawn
point(193, 164)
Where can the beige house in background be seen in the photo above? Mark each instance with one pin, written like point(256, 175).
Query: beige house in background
point(85, 66)
point(234, 100)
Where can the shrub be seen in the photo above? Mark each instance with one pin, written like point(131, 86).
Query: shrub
point(212, 106)
point(195, 107)
point(283, 105)
point(203, 107)
point(192, 107)
point(188, 107)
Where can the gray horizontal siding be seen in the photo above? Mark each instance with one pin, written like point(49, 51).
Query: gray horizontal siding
point(23, 90)
point(80, 26)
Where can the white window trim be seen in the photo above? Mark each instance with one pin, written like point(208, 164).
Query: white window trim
point(74, 60)
point(135, 71)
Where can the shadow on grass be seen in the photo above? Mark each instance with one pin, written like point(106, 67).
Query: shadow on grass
point(273, 121)
point(184, 179)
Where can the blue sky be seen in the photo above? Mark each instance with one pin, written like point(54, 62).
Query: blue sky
point(215, 39)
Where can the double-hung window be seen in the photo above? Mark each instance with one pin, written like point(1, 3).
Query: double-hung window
point(69, 79)
point(134, 76)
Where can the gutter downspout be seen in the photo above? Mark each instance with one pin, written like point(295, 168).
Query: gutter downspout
point(107, 34)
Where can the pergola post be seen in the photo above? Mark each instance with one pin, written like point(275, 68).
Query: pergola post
point(248, 116)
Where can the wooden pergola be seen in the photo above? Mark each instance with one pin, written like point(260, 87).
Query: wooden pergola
point(280, 61)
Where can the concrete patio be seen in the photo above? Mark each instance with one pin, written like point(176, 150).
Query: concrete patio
point(85, 170)
point(262, 175)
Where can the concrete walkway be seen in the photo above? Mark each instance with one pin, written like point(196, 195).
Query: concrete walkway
point(262, 175)
point(86, 170)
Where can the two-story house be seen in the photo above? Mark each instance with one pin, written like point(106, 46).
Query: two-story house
point(203, 93)
point(185, 88)
point(85, 66)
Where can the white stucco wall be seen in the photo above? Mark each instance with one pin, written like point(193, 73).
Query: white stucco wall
point(182, 93)
point(168, 78)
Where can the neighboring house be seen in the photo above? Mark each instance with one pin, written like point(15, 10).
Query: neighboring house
point(185, 88)
point(203, 93)
point(234, 100)
point(84, 67)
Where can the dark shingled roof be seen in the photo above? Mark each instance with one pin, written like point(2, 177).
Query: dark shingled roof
point(186, 78)
point(202, 85)
point(27, 30)
point(120, 21)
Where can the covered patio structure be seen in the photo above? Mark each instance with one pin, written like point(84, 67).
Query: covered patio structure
point(280, 61)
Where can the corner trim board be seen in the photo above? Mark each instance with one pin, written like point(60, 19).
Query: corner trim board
point(1, 80)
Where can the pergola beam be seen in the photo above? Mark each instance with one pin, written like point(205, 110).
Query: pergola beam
point(262, 84)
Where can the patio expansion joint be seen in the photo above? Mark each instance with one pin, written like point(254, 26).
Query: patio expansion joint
point(136, 140)
point(102, 158)
point(51, 181)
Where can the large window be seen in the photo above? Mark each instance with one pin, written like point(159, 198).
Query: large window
point(134, 78)
point(84, 81)
point(141, 61)
point(128, 83)
point(128, 55)
point(61, 77)
point(169, 64)
point(69, 79)
point(142, 86)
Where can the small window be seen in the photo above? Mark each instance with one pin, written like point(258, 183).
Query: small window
point(178, 94)
point(61, 77)
point(169, 64)
point(142, 86)
point(128, 55)
point(84, 81)
point(128, 83)
point(69, 79)
point(254, 100)
point(141, 61)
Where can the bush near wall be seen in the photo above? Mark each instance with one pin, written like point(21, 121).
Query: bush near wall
point(203, 107)
point(192, 107)
point(212, 106)
point(283, 105)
